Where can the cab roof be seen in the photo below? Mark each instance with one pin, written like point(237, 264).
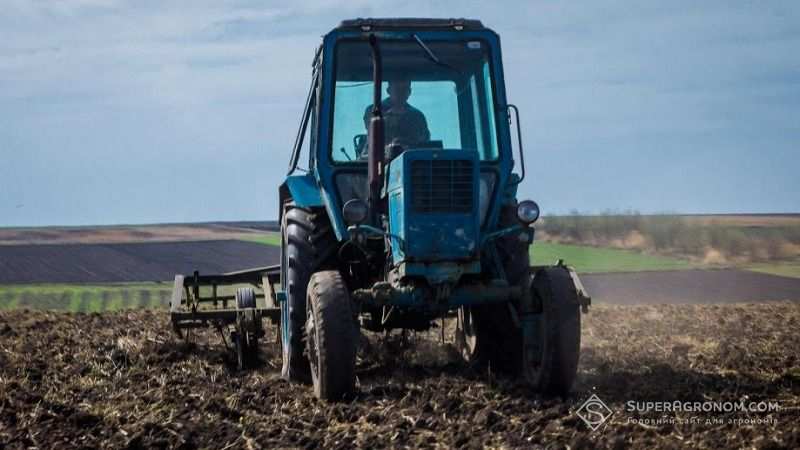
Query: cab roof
point(410, 23)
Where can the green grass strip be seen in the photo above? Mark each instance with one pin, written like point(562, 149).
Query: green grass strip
point(87, 298)
point(789, 269)
point(267, 239)
point(116, 300)
point(72, 297)
point(159, 299)
point(592, 259)
point(9, 300)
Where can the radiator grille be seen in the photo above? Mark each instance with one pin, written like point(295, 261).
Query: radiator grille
point(441, 186)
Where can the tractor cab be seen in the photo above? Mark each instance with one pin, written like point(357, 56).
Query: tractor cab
point(410, 126)
point(454, 99)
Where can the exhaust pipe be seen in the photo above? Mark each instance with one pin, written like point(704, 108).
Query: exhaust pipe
point(375, 143)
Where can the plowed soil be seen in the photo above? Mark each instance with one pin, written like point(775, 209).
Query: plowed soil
point(122, 380)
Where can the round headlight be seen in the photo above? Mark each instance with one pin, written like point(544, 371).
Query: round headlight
point(354, 211)
point(527, 211)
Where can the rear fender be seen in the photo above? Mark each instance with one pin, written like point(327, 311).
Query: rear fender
point(303, 190)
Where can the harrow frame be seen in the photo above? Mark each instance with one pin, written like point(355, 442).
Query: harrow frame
point(191, 308)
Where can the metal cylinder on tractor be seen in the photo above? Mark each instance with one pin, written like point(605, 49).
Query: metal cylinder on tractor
point(406, 212)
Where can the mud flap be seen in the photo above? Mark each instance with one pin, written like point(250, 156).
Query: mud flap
point(583, 296)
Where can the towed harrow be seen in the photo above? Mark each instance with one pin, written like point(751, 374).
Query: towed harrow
point(199, 302)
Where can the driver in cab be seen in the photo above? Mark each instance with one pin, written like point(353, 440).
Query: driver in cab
point(403, 124)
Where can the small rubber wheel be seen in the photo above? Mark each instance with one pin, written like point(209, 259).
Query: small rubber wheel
point(246, 335)
point(245, 298)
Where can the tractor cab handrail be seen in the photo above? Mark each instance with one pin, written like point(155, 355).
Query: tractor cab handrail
point(301, 133)
point(519, 142)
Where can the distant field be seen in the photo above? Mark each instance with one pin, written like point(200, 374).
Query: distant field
point(785, 269)
point(129, 233)
point(746, 220)
point(591, 259)
point(86, 298)
point(96, 295)
point(583, 259)
point(714, 240)
point(598, 260)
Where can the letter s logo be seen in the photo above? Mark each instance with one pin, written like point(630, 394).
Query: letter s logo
point(591, 412)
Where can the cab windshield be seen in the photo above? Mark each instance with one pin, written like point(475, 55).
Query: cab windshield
point(436, 94)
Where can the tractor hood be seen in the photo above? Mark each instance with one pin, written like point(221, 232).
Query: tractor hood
point(433, 198)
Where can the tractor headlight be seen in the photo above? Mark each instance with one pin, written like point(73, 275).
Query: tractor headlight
point(527, 211)
point(354, 211)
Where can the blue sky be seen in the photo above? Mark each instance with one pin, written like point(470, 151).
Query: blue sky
point(147, 112)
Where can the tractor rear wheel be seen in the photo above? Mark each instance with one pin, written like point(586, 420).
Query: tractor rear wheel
point(307, 245)
point(550, 357)
point(491, 333)
point(331, 336)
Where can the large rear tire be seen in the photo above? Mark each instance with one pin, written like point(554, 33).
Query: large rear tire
point(490, 333)
point(307, 245)
point(550, 358)
point(331, 336)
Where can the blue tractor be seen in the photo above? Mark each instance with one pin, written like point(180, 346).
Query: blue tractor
point(407, 212)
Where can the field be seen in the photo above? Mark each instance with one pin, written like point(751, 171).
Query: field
point(132, 233)
point(122, 380)
point(127, 262)
point(591, 259)
point(135, 274)
point(722, 241)
point(660, 330)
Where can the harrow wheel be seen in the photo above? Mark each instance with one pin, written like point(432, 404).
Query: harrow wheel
point(245, 298)
point(552, 334)
point(247, 329)
point(331, 336)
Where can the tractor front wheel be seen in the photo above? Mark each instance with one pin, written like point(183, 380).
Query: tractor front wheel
point(487, 334)
point(552, 333)
point(308, 245)
point(331, 336)
point(490, 333)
